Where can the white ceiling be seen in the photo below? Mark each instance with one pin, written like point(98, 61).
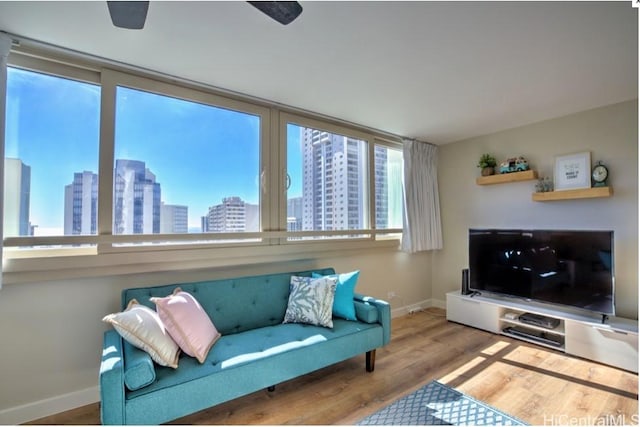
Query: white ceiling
point(437, 71)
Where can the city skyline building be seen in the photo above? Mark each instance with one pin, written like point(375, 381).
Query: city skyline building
point(81, 204)
point(381, 196)
point(233, 215)
point(174, 218)
point(334, 181)
point(204, 224)
point(17, 183)
point(136, 199)
point(294, 214)
point(334, 196)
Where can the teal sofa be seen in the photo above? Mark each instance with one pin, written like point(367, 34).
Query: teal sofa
point(256, 350)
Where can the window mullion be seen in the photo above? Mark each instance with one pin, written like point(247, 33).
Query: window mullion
point(372, 185)
point(107, 138)
point(270, 161)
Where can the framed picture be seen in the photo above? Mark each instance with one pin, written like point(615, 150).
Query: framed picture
point(573, 171)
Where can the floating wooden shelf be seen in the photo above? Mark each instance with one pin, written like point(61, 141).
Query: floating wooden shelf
point(507, 177)
point(582, 193)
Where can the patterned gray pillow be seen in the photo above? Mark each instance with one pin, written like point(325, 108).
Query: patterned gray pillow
point(311, 301)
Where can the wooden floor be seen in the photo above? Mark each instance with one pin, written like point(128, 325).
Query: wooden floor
point(537, 385)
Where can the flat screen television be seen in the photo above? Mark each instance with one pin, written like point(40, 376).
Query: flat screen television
point(568, 267)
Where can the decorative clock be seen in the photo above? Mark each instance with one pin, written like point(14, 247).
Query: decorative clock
point(599, 174)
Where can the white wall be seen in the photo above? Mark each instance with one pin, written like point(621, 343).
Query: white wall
point(51, 332)
point(610, 133)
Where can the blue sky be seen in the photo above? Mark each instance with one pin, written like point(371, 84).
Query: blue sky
point(54, 129)
point(198, 153)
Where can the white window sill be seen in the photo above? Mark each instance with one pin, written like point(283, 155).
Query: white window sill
point(75, 263)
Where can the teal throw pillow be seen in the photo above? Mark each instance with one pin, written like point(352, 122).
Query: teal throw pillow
point(343, 305)
point(311, 301)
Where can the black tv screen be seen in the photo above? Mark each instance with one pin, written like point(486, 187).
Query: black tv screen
point(568, 267)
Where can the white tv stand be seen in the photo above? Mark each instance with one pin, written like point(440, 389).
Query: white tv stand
point(614, 343)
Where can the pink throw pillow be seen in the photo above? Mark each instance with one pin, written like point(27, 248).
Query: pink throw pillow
point(187, 323)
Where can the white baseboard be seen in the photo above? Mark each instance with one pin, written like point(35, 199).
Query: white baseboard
point(439, 303)
point(44, 408)
point(401, 311)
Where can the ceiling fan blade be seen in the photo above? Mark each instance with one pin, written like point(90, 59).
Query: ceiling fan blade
point(128, 14)
point(282, 11)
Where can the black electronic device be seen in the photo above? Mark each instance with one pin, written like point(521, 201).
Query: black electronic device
point(538, 336)
point(538, 320)
point(465, 282)
point(573, 268)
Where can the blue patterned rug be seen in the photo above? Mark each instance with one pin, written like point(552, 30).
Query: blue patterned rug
point(437, 404)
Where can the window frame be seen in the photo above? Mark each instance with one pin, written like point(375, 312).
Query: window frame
point(325, 126)
point(102, 254)
point(111, 80)
point(385, 233)
point(372, 233)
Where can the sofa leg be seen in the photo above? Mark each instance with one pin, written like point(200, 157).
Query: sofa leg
point(371, 360)
point(271, 388)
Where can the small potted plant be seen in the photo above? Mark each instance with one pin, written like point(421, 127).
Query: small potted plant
point(487, 164)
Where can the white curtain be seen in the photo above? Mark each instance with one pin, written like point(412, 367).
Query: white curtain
point(422, 228)
point(5, 46)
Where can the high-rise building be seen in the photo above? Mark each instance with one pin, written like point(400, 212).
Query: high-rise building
point(17, 192)
point(136, 199)
point(233, 215)
point(204, 224)
point(382, 188)
point(294, 214)
point(334, 181)
point(174, 218)
point(81, 204)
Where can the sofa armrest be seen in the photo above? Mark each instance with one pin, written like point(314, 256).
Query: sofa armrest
point(112, 379)
point(384, 313)
point(139, 370)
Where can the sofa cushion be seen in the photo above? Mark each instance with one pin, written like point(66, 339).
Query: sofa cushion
point(142, 327)
point(187, 323)
point(343, 301)
point(311, 301)
point(236, 352)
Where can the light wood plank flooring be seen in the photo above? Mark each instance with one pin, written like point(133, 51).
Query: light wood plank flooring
point(537, 385)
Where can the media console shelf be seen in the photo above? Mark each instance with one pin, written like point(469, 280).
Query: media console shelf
point(614, 343)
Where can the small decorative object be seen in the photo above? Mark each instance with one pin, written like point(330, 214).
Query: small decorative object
point(514, 164)
point(548, 184)
point(487, 163)
point(599, 174)
point(572, 171)
point(544, 185)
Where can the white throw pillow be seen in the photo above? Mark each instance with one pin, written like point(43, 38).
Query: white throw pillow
point(142, 327)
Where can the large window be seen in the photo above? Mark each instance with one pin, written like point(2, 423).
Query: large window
point(109, 168)
point(51, 155)
point(184, 167)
